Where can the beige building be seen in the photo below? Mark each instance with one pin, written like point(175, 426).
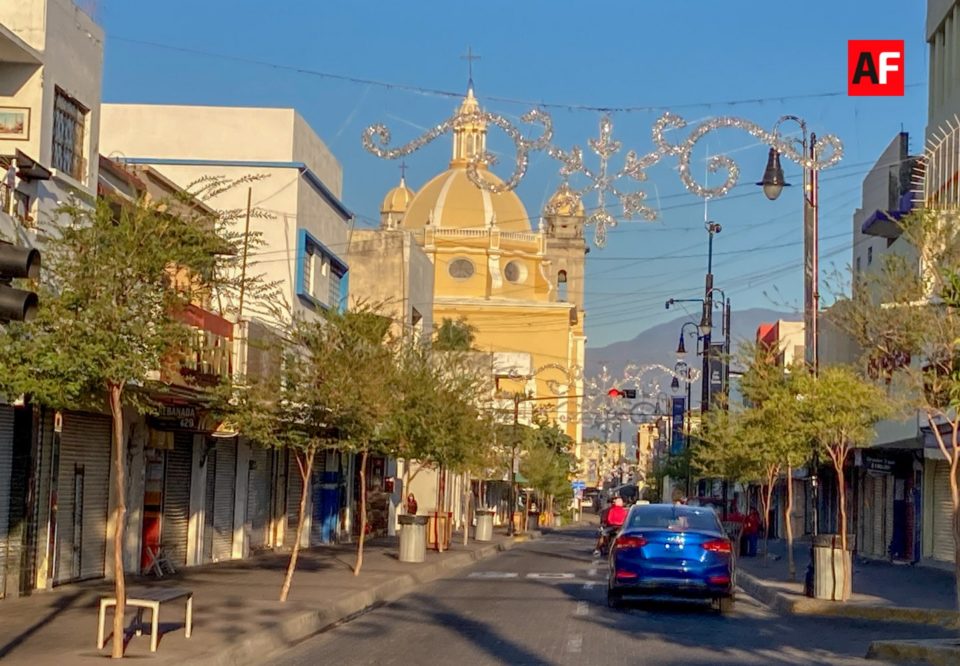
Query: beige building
point(520, 287)
point(389, 269)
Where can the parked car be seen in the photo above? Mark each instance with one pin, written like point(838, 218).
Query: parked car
point(672, 550)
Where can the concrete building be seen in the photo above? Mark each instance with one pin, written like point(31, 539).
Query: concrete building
point(50, 79)
point(291, 185)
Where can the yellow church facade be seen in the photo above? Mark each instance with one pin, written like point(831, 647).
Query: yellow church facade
point(519, 283)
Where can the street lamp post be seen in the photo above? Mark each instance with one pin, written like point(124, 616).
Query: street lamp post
point(706, 324)
point(773, 183)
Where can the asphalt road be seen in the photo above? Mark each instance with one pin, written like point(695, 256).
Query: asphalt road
point(545, 603)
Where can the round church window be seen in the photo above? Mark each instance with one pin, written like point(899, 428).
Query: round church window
point(461, 269)
point(515, 271)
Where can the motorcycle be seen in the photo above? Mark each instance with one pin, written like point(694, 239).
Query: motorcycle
point(607, 533)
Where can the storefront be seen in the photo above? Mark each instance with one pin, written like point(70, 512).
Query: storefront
point(81, 455)
point(888, 505)
point(6, 489)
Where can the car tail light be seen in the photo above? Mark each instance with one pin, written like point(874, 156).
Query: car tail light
point(630, 542)
point(718, 546)
point(719, 580)
point(623, 573)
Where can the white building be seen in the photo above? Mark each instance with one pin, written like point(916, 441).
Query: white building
point(294, 198)
point(51, 57)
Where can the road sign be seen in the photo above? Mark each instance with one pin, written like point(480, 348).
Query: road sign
point(579, 485)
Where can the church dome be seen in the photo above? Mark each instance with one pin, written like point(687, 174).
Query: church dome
point(564, 203)
point(451, 201)
point(397, 199)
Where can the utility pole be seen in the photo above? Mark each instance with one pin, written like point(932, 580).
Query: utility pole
point(706, 323)
point(513, 463)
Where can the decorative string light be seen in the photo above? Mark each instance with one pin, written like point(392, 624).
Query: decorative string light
point(605, 183)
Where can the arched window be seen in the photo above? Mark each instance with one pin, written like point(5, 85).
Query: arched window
point(562, 286)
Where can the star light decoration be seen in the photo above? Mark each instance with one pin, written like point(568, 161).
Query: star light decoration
point(603, 181)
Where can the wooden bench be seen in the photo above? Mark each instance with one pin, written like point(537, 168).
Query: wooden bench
point(142, 600)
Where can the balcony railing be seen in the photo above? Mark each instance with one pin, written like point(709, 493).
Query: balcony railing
point(16, 204)
point(208, 357)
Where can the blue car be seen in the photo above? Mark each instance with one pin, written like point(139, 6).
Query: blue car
point(672, 550)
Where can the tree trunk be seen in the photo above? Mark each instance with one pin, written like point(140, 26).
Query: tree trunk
point(306, 469)
point(838, 461)
point(115, 392)
point(767, 500)
point(466, 509)
point(788, 520)
point(363, 512)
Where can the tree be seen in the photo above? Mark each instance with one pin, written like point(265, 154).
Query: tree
point(548, 462)
point(454, 336)
point(773, 390)
point(904, 315)
point(110, 319)
point(840, 409)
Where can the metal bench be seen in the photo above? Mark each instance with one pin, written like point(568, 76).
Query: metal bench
point(142, 600)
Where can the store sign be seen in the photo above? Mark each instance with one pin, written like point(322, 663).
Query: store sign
point(875, 463)
point(718, 370)
point(175, 417)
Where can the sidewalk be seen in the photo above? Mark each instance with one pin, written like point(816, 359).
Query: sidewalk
point(237, 618)
point(881, 590)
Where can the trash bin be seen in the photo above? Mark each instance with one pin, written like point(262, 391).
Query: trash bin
point(833, 568)
point(484, 525)
point(413, 538)
point(533, 520)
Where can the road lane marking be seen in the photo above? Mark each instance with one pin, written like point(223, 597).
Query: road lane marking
point(592, 572)
point(575, 643)
point(550, 576)
point(582, 608)
point(492, 574)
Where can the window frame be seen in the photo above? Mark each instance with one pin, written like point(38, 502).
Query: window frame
point(78, 159)
point(314, 256)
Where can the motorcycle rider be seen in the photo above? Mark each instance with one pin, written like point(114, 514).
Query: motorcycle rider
point(616, 514)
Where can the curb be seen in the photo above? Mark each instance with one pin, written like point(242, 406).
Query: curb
point(942, 652)
point(253, 648)
point(786, 603)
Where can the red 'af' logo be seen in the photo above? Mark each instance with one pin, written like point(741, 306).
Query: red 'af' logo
point(875, 67)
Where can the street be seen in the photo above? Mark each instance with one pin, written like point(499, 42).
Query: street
point(545, 603)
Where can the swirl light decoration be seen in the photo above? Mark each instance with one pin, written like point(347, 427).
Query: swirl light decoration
point(376, 139)
point(603, 181)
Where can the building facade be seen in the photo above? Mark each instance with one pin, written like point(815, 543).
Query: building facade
point(287, 189)
point(520, 288)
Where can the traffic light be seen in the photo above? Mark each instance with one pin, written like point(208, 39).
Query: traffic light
point(17, 262)
point(629, 394)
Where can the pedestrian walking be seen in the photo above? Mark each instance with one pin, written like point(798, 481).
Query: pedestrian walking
point(751, 531)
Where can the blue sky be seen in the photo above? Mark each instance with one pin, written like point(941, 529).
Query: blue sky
point(687, 56)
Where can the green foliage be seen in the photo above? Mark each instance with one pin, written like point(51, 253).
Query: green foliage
point(110, 303)
point(454, 336)
point(840, 409)
point(772, 432)
point(547, 460)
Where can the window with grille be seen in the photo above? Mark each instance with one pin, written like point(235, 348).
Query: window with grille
point(68, 126)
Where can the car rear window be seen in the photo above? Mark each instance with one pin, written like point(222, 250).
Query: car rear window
point(678, 518)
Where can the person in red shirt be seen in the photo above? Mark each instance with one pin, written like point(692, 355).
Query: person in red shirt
point(616, 514)
point(751, 531)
